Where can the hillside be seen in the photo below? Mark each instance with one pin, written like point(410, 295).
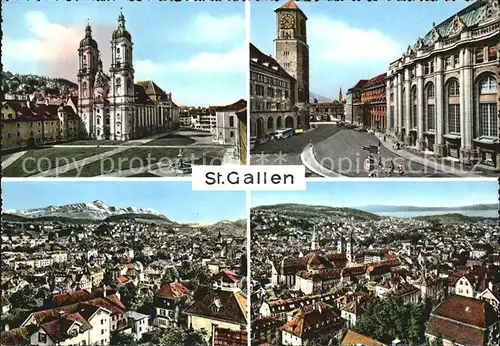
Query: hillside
point(452, 218)
point(309, 211)
point(28, 84)
point(398, 208)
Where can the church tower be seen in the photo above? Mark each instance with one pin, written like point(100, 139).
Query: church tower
point(121, 82)
point(341, 98)
point(350, 248)
point(88, 55)
point(290, 46)
point(314, 244)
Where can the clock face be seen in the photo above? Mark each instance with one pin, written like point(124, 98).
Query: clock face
point(287, 21)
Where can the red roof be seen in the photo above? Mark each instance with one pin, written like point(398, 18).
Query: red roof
point(376, 80)
point(174, 290)
point(227, 276)
point(290, 5)
point(122, 279)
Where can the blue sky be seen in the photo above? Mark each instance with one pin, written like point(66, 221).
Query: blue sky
point(449, 193)
point(196, 50)
point(175, 200)
point(348, 40)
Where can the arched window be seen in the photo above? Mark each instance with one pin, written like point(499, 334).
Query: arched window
point(453, 106)
point(231, 121)
point(414, 107)
point(231, 134)
point(488, 111)
point(84, 85)
point(430, 115)
point(453, 88)
point(430, 91)
point(488, 85)
point(118, 50)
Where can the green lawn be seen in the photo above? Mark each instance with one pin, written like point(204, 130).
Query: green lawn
point(5, 157)
point(94, 142)
point(172, 140)
point(138, 157)
point(36, 161)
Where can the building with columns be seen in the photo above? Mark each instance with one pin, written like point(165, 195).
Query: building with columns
point(442, 93)
point(113, 106)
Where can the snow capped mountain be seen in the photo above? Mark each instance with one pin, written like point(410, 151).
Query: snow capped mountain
point(97, 210)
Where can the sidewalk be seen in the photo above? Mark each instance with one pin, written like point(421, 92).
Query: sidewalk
point(428, 162)
point(310, 162)
point(12, 158)
point(231, 157)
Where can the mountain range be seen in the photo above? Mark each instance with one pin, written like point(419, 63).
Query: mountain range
point(97, 210)
point(318, 97)
point(407, 208)
point(100, 211)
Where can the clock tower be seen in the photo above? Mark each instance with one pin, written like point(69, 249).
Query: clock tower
point(290, 46)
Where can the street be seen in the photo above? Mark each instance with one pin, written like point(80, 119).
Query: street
point(337, 149)
point(290, 148)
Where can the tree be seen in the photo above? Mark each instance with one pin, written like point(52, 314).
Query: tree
point(170, 275)
point(23, 298)
point(243, 265)
point(389, 318)
point(176, 336)
point(118, 338)
point(130, 296)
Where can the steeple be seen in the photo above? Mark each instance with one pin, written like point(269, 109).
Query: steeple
point(341, 99)
point(121, 20)
point(313, 240)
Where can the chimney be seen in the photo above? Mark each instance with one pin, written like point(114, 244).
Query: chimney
point(61, 313)
point(28, 104)
point(46, 101)
point(104, 291)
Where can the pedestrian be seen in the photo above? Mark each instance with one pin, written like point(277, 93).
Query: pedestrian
point(385, 137)
point(401, 169)
point(379, 143)
point(391, 168)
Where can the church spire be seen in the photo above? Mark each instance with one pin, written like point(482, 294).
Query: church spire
point(313, 240)
point(341, 99)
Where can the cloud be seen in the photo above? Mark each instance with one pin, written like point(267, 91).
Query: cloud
point(338, 42)
point(233, 61)
point(53, 47)
point(209, 29)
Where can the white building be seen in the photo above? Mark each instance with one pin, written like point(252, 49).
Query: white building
point(139, 323)
point(226, 130)
point(442, 93)
point(112, 106)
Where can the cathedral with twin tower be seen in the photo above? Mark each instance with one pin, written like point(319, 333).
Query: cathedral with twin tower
point(113, 106)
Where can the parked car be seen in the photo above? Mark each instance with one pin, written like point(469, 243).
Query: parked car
point(253, 141)
point(299, 131)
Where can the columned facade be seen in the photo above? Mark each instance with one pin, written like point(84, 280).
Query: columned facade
point(445, 89)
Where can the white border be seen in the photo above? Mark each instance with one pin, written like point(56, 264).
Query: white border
point(247, 73)
point(249, 268)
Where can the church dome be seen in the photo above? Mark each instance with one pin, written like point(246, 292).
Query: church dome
point(88, 40)
point(121, 32)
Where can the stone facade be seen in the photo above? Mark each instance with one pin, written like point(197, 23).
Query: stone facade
point(272, 96)
point(373, 101)
point(112, 106)
point(327, 111)
point(291, 49)
point(441, 94)
point(357, 108)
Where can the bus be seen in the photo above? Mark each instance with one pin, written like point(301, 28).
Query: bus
point(283, 133)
